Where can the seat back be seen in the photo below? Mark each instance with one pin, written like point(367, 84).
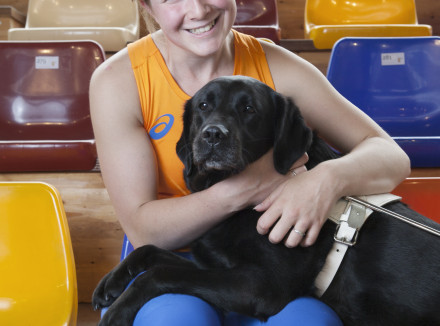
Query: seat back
point(82, 13)
point(395, 81)
point(44, 105)
point(327, 21)
point(111, 23)
point(422, 195)
point(38, 280)
point(342, 12)
point(259, 19)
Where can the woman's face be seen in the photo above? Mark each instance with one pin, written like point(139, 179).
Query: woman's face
point(199, 26)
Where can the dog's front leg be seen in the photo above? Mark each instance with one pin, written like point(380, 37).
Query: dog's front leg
point(244, 290)
point(113, 284)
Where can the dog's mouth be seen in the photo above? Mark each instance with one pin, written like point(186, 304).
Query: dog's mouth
point(227, 159)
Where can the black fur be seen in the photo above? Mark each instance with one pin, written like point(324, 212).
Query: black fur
point(390, 277)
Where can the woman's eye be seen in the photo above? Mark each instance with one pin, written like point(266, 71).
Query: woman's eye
point(249, 109)
point(203, 106)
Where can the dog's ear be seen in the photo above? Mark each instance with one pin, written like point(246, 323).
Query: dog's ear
point(183, 146)
point(292, 136)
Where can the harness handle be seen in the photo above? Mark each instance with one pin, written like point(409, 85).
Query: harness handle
point(394, 214)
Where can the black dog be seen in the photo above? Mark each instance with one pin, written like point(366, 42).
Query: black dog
point(390, 277)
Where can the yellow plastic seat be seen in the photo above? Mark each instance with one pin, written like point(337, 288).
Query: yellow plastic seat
point(111, 23)
point(37, 271)
point(326, 21)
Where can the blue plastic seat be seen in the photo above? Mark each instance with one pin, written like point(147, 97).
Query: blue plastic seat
point(396, 82)
point(127, 247)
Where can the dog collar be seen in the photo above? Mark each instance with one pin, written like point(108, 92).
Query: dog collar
point(349, 215)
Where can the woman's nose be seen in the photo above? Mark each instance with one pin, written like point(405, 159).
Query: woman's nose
point(197, 9)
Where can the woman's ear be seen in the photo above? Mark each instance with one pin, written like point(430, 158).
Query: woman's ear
point(292, 136)
point(144, 5)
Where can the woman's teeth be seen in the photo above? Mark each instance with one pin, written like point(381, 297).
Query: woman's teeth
point(203, 29)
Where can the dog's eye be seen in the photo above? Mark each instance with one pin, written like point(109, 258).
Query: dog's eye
point(203, 106)
point(249, 109)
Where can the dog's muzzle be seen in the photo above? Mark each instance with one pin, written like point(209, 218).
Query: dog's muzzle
point(216, 148)
point(214, 134)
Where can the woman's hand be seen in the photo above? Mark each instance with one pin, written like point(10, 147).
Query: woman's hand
point(296, 210)
point(253, 185)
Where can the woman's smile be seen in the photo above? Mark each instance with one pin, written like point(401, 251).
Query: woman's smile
point(203, 29)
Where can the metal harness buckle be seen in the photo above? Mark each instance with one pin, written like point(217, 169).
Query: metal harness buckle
point(351, 221)
point(344, 240)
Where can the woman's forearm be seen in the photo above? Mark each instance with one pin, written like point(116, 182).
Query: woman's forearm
point(376, 165)
point(173, 223)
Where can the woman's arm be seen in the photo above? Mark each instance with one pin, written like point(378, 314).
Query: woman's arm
point(129, 169)
point(373, 163)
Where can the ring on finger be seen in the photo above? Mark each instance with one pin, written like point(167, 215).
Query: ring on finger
point(303, 234)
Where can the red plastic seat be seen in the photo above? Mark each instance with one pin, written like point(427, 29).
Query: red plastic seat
point(422, 195)
point(44, 106)
point(258, 18)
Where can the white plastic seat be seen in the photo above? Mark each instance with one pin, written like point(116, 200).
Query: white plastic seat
point(111, 23)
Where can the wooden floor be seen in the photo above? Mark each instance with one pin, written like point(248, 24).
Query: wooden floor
point(87, 316)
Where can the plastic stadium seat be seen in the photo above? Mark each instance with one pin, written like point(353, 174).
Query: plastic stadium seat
point(38, 280)
point(10, 18)
point(127, 247)
point(326, 21)
point(111, 23)
point(258, 18)
point(44, 105)
point(396, 82)
point(422, 195)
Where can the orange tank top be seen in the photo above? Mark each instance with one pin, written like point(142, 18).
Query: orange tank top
point(162, 101)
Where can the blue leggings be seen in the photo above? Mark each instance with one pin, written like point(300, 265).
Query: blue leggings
point(186, 310)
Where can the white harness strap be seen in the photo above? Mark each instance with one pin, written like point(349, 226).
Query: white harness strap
point(349, 217)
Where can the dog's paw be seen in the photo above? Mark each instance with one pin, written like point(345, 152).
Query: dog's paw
point(111, 287)
point(104, 296)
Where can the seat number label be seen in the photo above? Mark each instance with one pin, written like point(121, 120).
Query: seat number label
point(47, 62)
point(393, 59)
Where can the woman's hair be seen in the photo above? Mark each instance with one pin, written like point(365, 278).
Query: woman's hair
point(150, 23)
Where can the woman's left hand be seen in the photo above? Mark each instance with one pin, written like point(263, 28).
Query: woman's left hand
point(296, 210)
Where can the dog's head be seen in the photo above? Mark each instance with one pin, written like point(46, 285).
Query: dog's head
point(231, 122)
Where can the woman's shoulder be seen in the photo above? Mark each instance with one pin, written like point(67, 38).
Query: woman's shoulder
point(113, 83)
point(289, 71)
point(113, 67)
point(114, 76)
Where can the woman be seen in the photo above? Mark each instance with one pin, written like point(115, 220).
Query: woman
point(137, 99)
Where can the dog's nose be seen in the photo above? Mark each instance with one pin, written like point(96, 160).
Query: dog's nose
point(213, 135)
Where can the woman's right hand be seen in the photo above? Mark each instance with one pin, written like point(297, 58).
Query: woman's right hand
point(253, 185)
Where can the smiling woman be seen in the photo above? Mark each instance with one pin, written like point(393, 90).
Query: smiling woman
point(137, 99)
